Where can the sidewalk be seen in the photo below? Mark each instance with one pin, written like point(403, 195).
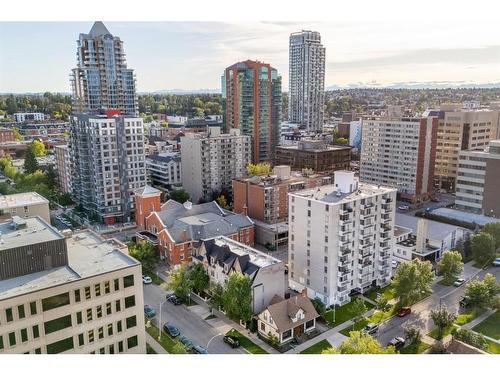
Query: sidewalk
point(155, 345)
point(479, 319)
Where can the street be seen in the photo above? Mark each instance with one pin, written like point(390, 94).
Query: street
point(420, 315)
point(191, 325)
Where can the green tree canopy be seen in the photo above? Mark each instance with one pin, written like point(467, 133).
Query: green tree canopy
point(483, 247)
point(360, 343)
point(412, 280)
point(221, 201)
point(442, 318)
point(450, 265)
point(144, 252)
point(258, 169)
point(357, 309)
point(179, 195)
point(30, 162)
point(180, 282)
point(494, 230)
point(238, 297)
point(199, 277)
point(38, 148)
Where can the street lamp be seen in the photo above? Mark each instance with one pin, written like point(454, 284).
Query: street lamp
point(209, 341)
point(160, 327)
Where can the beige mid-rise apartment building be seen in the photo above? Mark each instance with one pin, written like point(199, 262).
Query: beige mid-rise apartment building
point(75, 294)
point(24, 205)
point(459, 129)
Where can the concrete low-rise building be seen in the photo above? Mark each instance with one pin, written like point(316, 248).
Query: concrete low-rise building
point(24, 205)
point(75, 294)
point(221, 256)
point(164, 170)
point(28, 116)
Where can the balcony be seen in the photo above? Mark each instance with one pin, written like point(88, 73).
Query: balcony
point(345, 250)
point(345, 210)
point(366, 205)
point(386, 199)
point(344, 270)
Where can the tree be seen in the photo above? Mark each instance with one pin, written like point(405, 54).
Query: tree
point(491, 284)
point(442, 318)
point(7, 168)
point(383, 305)
point(199, 278)
point(17, 135)
point(179, 195)
point(221, 201)
point(38, 148)
point(412, 280)
point(319, 306)
point(451, 266)
point(494, 230)
point(483, 247)
point(144, 252)
point(360, 343)
point(357, 309)
point(237, 297)
point(51, 177)
point(179, 281)
point(217, 293)
point(413, 334)
point(481, 293)
point(258, 169)
point(342, 141)
point(30, 162)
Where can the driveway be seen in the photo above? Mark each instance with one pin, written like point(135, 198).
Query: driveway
point(188, 320)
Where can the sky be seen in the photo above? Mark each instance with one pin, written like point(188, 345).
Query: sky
point(38, 56)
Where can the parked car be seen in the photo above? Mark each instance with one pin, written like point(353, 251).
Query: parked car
point(403, 311)
point(146, 279)
point(397, 342)
point(149, 311)
point(231, 341)
point(371, 329)
point(404, 207)
point(459, 282)
point(186, 342)
point(198, 349)
point(496, 262)
point(174, 299)
point(172, 330)
point(464, 302)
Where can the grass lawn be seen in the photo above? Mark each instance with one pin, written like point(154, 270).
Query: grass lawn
point(246, 343)
point(490, 327)
point(492, 347)
point(317, 348)
point(386, 291)
point(149, 349)
point(357, 327)
point(342, 314)
point(170, 345)
point(415, 348)
point(468, 316)
point(379, 316)
point(446, 331)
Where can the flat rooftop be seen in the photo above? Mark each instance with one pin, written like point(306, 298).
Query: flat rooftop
point(399, 231)
point(329, 193)
point(35, 230)
point(328, 148)
point(88, 255)
point(21, 199)
point(435, 230)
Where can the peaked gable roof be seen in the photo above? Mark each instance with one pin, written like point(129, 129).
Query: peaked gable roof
point(98, 29)
point(284, 310)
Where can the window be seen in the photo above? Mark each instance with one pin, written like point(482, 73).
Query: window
point(89, 315)
point(97, 289)
point(20, 312)
point(310, 324)
point(119, 326)
point(287, 334)
point(55, 301)
point(131, 321)
point(99, 312)
point(110, 329)
point(91, 335)
point(24, 335)
point(108, 308)
point(77, 295)
point(60, 346)
point(33, 308)
point(129, 301)
point(262, 327)
point(87, 292)
point(100, 333)
point(9, 315)
point(38, 351)
point(128, 281)
point(102, 351)
point(111, 349)
point(81, 341)
point(132, 342)
point(118, 306)
point(1, 342)
point(79, 317)
point(12, 339)
point(57, 324)
point(120, 346)
point(106, 287)
point(117, 284)
point(36, 332)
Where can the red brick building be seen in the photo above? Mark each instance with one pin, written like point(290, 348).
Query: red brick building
point(6, 135)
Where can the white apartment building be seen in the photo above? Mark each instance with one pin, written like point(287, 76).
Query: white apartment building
point(24, 205)
point(108, 164)
point(164, 169)
point(340, 238)
point(307, 80)
point(80, 294)
point(211, 161)
point(28, 116)
point(400, 153)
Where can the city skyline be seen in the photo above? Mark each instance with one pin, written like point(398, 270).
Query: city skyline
point(358, 54)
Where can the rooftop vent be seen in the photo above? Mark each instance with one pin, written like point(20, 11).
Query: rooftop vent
point(188, 205)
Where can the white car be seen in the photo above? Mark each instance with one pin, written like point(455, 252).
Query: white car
point(496, 262)
point(404, 208)
point(459, 282)
point(146, 279)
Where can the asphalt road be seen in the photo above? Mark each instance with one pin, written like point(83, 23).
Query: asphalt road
point(190, 324)
point(420, 315)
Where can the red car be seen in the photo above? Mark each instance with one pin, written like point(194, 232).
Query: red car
point(403, 311)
